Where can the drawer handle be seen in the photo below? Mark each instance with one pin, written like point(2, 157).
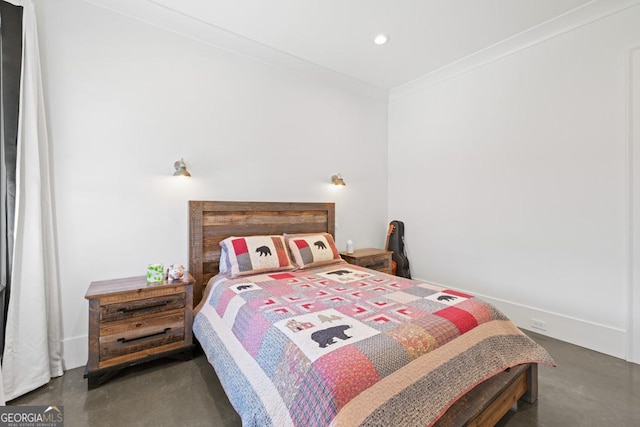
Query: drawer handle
point(126, 340)
point(127, 309)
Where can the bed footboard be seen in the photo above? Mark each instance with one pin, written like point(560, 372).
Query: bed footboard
point(487, 403)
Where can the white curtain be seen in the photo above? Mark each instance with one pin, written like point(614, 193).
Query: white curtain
point(33, 346)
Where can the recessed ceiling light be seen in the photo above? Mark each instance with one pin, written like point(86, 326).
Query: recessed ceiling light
point(381, 39)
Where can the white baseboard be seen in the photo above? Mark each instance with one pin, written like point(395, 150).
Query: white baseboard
point(594, 336)
point(76, 351)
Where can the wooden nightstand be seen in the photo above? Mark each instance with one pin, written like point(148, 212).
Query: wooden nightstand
point(132, 321)
point(375, 259)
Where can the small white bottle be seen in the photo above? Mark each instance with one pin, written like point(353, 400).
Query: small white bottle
point(349, 246)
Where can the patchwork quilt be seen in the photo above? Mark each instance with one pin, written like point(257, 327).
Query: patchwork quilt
point(344, 345)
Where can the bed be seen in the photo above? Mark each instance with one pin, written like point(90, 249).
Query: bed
point(337, 344)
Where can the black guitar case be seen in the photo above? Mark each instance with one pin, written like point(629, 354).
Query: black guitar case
point(396, 244)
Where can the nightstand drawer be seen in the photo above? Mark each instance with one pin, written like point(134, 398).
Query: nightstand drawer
point(141, 307)
point(379, 264)
point(375, 259)
point(139, 339)
point(143, 323)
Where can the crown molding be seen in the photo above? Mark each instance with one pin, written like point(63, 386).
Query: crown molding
point(576, 18)
point(191, 27)
point(196, 29)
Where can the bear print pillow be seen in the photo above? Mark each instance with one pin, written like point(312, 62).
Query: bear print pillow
point(255, 254)
point(313, 250)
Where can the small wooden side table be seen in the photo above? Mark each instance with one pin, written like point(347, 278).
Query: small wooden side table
point(132, 321)
point(375, 259)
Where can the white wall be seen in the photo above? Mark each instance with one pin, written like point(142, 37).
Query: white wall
point(513, 181)
point(126, 99)
point(512, 178)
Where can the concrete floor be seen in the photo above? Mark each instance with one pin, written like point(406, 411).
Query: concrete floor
point(586, 389)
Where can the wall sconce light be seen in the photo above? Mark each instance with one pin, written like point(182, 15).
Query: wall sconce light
point(337, 180)
point(181, 168)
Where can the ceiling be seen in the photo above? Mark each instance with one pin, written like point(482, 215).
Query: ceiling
point(337, 35)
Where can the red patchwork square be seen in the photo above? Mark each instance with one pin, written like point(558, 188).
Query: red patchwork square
point(347, 372)
point(463, 320)
point(281, 276)
point(301, 243)
point(240, 246)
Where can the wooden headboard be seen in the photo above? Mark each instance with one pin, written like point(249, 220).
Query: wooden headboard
point(211, 222)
